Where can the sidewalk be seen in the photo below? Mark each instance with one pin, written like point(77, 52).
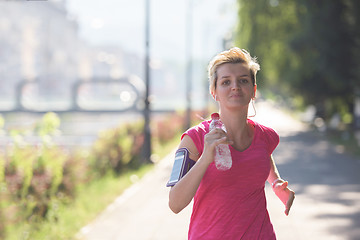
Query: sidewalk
point(142, 212)
point(326, 182)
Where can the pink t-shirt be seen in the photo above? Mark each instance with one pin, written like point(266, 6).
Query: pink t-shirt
point(231, 204)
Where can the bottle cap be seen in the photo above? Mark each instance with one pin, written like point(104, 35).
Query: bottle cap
point(215, 116)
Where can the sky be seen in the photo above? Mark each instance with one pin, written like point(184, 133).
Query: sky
point(122, 23)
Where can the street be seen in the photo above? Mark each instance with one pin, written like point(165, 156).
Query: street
point(326, 182)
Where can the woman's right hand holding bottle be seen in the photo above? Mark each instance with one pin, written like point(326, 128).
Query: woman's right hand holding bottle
point(211, 140)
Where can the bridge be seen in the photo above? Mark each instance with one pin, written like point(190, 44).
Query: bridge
point(93, 96)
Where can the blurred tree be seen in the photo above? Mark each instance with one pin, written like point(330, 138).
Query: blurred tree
point(306, 48)
point(265, 29)
point(324, 47)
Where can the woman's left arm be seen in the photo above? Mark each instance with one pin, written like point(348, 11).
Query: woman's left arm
point(280, 187)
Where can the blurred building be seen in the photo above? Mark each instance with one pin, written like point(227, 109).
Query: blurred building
point(38, 42)
point(42, 57)
point(40, 45)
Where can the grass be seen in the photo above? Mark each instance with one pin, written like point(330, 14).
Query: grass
point(66, 220)
point(70, 218)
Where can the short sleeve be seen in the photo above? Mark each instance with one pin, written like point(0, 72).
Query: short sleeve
point(197, 134)
point(272, 138)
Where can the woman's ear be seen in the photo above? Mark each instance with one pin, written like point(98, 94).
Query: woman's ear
point(254, 95)
point(214, 96)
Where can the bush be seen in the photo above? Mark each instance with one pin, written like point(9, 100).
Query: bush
point(2, 191)
point(36, 178)
point(166, 128)
point(116, 149)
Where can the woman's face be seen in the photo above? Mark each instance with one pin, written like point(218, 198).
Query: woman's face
point(234, 86)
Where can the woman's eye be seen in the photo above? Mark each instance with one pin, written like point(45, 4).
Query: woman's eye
point(244, 81)
point(226, 82)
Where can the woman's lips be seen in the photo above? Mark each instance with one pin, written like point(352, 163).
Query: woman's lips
point(235, 95)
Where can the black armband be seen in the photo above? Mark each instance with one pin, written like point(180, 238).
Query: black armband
point(182, 164)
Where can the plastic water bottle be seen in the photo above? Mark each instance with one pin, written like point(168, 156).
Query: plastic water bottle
point(223, 159)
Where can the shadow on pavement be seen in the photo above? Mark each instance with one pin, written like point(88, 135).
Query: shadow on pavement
point(326, 182)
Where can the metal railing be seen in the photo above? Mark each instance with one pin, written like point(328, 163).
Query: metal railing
point(95, 95)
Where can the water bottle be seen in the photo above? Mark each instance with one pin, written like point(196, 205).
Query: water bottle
point(223, 159)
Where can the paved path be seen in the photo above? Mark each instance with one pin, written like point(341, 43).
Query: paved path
point(326, 182)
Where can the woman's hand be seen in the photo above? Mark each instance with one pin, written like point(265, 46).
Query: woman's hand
point(285, 194)
point(212, 139)
point(184, 191)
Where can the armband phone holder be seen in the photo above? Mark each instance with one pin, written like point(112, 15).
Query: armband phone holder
point(182, 164)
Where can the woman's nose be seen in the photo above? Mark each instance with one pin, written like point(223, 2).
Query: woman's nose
point(235, 85)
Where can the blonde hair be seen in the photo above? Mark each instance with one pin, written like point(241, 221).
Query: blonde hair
point(233, 55)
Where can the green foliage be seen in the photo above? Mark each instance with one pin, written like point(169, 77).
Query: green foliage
point(120, 148)
point(49, 124)
point(38, 181)
point(117, 148)
point(307, 49)
point(32, 176)
point(166, 128)
point(2, 171)
point(2, 191)
point(2, 122)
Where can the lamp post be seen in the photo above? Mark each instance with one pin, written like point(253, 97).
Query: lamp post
point(147, 130)
point(188, 63)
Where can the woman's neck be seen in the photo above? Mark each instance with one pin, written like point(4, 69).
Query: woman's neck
point(235, 121)
point(238, 129)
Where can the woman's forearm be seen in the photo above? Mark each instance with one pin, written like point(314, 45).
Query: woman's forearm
point(274, 173)
point(183, 192)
